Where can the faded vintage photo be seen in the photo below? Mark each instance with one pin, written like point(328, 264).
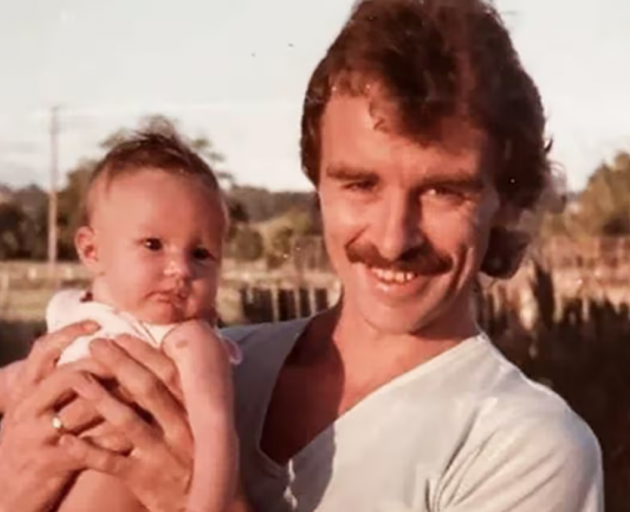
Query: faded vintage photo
point(331, 256)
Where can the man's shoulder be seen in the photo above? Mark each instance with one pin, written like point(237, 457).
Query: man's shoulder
point(544, 457)
point(505, 399)
point(518, 411)
point(539, 418)
point(516, 426)
point(499, 385)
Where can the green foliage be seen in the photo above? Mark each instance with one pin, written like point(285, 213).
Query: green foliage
point(280, 246)
point(246, 244)
point(246, 205)
point(605, 203)
point(262, 204)
point(602, 209)
point(70, 207)
point(286, 232)
point(304, 222)
point(18, 234)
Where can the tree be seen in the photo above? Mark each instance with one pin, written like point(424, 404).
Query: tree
point(16, 232)
point(262, 204)
point(601, 209)
point(604, 206)
point(246, 244)
point(284, 233)
point(70, 207)
point(33, 201)
point(199, 143)
point(70, 198)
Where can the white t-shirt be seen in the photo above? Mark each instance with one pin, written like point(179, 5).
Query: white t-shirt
point(463, 432)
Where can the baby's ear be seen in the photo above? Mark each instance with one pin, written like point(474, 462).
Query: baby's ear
point(87, 248)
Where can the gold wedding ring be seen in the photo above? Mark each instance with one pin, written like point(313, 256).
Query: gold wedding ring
point(58, 425)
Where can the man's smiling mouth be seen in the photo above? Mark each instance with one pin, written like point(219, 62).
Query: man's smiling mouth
point(388, 276)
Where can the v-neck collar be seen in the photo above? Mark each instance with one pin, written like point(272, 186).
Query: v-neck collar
point(418, 371)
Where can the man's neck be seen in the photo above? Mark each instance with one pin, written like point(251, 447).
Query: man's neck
point(338, 362)
point(365, 352)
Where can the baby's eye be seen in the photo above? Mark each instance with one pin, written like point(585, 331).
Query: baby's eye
point(153, 244)
point(202, 254)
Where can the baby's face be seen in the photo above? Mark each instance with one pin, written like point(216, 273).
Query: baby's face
point(158, 241)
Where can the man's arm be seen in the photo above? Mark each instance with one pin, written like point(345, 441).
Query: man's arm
point(542, 463)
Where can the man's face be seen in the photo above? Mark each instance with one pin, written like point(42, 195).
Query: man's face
point(406, 226)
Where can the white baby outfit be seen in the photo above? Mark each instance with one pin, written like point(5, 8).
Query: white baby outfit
point(70, 306)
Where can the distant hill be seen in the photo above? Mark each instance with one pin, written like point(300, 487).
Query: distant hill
point(261, 204)
point(32, 199)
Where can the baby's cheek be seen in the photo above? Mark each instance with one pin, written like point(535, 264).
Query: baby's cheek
point(206, 298)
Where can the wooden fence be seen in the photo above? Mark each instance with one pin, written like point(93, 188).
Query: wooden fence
point(577, 344)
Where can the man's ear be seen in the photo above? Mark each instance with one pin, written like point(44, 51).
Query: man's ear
point(85, 243)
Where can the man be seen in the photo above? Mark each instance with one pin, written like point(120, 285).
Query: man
point(424, 138)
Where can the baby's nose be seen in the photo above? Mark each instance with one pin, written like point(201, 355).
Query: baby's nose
point(178, 266)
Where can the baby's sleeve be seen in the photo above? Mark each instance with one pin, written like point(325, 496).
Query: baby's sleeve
point(67, 307)
point(61, 308)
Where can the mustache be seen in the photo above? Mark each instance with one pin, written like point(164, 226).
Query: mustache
point(423, 259)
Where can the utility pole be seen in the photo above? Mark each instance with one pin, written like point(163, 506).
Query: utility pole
point(52, 195)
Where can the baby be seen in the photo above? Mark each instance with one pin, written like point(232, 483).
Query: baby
point(155, 222)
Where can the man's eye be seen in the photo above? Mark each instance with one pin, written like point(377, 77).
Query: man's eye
point(443, 192)
point(361, 186)
point(153, 244)
point(201, 254)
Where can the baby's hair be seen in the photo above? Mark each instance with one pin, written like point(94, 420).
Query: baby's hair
point(162, 149)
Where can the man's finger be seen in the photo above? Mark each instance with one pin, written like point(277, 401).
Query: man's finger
point(121, 416)
point(78, 416)
point(55, 390)
point(156, 361)
point(94, 457)
point(47, 349)
point(148, 392)
point(109, 440)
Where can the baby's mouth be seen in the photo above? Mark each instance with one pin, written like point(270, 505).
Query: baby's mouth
point(176, 297)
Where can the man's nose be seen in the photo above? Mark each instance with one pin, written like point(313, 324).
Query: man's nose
point(399, 226)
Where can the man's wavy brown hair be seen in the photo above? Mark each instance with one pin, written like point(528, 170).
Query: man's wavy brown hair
point(439, 61)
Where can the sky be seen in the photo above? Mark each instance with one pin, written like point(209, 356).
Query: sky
point(236, 71)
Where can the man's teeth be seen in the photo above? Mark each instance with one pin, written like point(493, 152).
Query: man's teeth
point(392, 276)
